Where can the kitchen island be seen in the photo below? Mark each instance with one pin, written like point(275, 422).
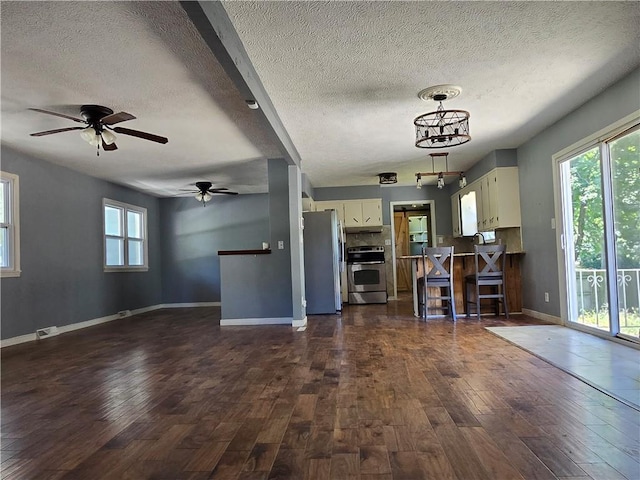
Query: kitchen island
point(463, 265)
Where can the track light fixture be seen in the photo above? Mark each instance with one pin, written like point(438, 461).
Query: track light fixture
point(462, 180)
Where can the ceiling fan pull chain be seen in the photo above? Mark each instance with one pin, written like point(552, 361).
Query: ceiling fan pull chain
point(98, 149)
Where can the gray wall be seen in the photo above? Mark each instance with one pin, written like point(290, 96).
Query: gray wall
point(61, 256)
point(540, 264)
point(193, 234)
point(259, 286)
point(395, 194)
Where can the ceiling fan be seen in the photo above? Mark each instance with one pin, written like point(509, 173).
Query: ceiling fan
point(204, 192)
point(98, 122)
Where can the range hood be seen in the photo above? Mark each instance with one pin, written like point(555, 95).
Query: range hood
point(371, 229)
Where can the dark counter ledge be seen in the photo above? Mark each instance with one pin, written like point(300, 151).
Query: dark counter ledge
point(244, 252)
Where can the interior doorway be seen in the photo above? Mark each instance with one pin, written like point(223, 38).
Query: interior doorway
point(413, 224)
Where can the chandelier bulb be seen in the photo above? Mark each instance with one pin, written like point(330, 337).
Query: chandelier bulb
point(462, 182)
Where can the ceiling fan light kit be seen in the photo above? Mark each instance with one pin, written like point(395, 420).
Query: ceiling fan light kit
point(99, 121)
point(441, 128)
point(205, 192)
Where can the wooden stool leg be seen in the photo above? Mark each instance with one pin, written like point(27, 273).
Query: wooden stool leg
point(504, 300)
point(465, 298)
point(452, 303)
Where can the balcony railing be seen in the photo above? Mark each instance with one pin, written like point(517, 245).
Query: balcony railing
point(593, 307)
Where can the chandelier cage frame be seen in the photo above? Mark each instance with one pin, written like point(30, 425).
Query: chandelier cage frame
point(441, 128)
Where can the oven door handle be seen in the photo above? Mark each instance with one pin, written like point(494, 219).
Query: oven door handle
point(377, 262)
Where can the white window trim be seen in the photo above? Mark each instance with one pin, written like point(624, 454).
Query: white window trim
point(145, 244)
point(14, 231)
point(594, 140)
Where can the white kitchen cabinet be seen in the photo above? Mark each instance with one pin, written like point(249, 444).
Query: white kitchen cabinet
point(489, 203)
point(500, 191)
point(331, 205)
point(308, 205)
point(468, 212)
point(455, 215)
point(363, 213)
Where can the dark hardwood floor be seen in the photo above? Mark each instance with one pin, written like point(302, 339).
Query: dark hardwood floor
point(372, 394)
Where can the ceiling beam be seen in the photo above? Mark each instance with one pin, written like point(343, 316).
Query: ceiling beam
point(215, 27)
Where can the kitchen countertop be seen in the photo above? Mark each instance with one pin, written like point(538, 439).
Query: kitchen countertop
point(461, 254)
point(244, 252)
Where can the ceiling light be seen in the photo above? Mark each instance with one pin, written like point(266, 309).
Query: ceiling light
point(203, 197)
point(462, 180)
point(90, 136)
point(441, 128)
point(388, 178)
point(108, 137)
point(252, 104)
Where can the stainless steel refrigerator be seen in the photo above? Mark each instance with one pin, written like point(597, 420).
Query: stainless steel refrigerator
point(323, 261)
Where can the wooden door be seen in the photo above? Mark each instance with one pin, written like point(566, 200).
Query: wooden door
point(403, 267)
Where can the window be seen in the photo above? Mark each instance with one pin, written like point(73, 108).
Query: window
point(125, 237)
point(598, 195)
point(9, 225)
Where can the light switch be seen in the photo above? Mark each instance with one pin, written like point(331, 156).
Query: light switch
point(280, 244)
point(553, 224)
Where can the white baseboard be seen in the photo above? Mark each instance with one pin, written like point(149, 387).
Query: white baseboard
point(108, 318)
point(256, 321)
point(542, 316)
point(30, 337)
point(299, 323)
point(189, 305)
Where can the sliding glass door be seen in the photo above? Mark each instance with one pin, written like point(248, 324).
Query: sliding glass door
point(600, 193)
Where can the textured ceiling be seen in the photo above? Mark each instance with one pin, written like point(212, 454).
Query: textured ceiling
point(343, 77)
point(145, 58)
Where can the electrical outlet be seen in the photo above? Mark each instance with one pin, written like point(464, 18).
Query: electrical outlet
point(546, 297)
point(387, 241)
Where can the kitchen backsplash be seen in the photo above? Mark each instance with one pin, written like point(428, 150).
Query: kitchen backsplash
point(511, 237)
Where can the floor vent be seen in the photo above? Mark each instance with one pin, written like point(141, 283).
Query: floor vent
point(47, 332)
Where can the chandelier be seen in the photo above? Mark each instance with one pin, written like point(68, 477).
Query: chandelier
point(442, 128)
point(462, 180)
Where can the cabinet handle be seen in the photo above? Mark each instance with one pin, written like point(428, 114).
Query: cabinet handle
point(367, 220)
point(355, 220)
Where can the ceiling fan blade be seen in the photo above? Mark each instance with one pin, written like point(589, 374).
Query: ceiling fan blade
point(57, 130)
point(107, 148)
point(80, 120)
point(227, 193)
point(144, 135)
point(116, 118)
point(217, 189)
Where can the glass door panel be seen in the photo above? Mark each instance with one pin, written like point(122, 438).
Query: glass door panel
point(585, 240)
point(624, 153)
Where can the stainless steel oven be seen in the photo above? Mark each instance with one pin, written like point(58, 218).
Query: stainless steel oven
point(366, 275)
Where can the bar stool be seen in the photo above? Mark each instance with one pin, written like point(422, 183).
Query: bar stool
point(491, 275)
point(439, 278)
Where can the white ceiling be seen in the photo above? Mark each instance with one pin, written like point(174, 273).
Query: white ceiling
point(343, 77)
